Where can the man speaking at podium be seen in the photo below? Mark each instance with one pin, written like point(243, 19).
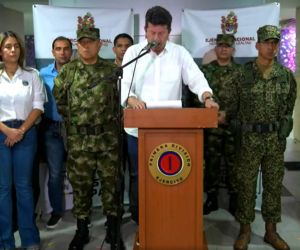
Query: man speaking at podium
point(157, 76)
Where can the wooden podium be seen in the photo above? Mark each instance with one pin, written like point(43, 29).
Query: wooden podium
point(171, 176)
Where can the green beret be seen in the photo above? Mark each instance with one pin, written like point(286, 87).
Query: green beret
point(86, 27)
point(268, 32)
point(225, 39)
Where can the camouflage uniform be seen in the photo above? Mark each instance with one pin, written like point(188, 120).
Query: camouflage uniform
point(90, 118)
point(219, 141)
point(87, 98)
point(262, 104)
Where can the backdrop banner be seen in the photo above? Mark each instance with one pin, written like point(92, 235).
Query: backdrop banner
point(50, 22)
point(200, 27)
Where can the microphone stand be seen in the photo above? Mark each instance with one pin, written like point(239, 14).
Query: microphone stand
point(119, 73)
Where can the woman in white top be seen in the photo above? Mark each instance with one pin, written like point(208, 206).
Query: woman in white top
point(21, 104)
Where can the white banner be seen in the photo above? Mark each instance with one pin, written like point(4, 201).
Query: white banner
point(50, 22)
point(200, 28)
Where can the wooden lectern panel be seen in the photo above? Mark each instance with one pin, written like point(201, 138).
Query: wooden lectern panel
point(170, 216)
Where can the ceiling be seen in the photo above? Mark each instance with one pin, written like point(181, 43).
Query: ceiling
point(26, 5)
point(287, 8)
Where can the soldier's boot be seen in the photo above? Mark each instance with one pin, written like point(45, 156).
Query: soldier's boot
point(232, 203)
point(111, 234)
point(273, 238)
point(81, 236)
point(244, 237)
point(211, 203)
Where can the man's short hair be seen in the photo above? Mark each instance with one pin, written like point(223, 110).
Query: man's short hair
point(61, 38)
point(158, 15)
point(123, 35)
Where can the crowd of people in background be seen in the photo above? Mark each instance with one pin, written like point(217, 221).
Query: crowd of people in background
point(69, 111)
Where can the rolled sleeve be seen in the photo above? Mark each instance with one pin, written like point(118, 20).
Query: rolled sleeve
point(39, 96)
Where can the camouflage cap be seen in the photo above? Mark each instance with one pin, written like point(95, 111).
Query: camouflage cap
point(268, 32)
point(86, 27)
point(225, 39)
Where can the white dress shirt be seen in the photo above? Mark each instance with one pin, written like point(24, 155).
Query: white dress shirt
point(160, 77)
point(20, 95)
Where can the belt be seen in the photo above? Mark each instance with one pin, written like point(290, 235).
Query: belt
point(261, 127)
point(86, 130)
point(13, 123)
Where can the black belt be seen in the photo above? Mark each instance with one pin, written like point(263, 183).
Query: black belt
point(13, 123)
point(261, 127)
point(86, 130)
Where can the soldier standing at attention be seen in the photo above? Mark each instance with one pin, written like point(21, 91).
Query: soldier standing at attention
point(219, 142)
point(263, 101)
point(90, 116)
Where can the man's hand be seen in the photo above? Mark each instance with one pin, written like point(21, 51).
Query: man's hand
point(135, 103)
point(210, 103)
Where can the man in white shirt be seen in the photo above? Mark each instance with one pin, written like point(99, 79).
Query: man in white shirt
point(158, 76)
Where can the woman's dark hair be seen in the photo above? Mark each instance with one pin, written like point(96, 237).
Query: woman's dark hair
point(7, 34)
point(158, 15)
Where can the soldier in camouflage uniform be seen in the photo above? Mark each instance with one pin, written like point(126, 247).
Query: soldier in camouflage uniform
point(219, 142)
point(263, 102)
point(92, 129)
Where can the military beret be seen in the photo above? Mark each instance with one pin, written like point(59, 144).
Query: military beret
point(268, 32)
point(86, 27)
point(225, 39)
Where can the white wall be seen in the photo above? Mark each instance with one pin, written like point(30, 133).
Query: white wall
point(11, 20)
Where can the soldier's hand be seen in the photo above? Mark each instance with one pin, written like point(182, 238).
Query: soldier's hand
point(221, 117)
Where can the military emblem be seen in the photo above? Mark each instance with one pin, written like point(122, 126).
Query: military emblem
point(170, 163)
point(229, 24)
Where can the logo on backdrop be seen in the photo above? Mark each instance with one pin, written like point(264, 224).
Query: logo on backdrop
point(229, 24)
point(170, 163)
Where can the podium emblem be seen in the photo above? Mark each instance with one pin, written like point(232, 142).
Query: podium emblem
point(170, 163)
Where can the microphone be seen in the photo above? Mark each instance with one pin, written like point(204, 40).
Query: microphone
point(150, 45)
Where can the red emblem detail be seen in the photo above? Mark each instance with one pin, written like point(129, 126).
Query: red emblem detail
point(170, 163)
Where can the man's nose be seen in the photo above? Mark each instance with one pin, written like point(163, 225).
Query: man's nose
point(156, 37)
